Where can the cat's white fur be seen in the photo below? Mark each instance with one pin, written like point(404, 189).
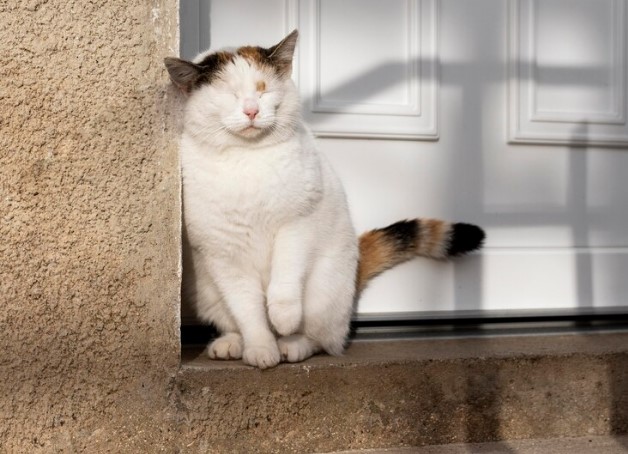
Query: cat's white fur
point(271, 243)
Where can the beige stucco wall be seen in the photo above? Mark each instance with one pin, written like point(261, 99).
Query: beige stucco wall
point(89, 226)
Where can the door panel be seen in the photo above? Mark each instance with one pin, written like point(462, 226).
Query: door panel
point(353, 83)
point(568, 72)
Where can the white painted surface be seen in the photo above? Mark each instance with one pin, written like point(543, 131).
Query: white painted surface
point(568, 71)
point(353, 83)
point(514, 99)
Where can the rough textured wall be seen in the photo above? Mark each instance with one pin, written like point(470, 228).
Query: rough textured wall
point(89, 225)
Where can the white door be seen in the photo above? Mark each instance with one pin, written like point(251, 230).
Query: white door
point(512, 115)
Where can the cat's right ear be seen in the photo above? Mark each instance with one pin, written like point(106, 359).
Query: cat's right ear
point(183, 74)
point(281, 54)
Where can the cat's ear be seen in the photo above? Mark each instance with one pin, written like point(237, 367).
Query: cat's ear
point(183, 74)
point(281, 54)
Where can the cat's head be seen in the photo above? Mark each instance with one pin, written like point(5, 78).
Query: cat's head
point(239, 97)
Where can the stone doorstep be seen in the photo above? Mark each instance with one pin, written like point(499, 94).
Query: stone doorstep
point(582, 445)
point(411, 393)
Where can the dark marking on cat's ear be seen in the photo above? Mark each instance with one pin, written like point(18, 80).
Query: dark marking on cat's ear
point(212, 63)
point(188, 76)
point(280, 55)
point(184, 74)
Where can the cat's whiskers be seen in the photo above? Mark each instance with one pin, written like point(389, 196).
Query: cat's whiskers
point(211, 131)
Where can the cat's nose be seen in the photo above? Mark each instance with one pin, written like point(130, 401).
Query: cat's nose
point(251, 112)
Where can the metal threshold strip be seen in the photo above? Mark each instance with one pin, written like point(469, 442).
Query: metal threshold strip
point(473, 323)
point(493, 316)
point(382, 326)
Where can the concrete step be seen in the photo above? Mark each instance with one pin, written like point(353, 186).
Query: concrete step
point(410, 393)
point(582, 445)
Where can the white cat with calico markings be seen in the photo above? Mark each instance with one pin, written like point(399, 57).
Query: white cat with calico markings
point(273, 260)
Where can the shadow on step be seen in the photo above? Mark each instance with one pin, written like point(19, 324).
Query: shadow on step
point(618, 372)
point(483, 421)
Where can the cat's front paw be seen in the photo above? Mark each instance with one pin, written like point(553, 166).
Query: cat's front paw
point(262, 356)
point(228, 346)
point(296, 348)
point(285, 316)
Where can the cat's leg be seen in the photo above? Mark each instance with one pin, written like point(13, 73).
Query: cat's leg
point(327, 309)
point(244, 299)
point(229, 344)
point(284, 296)
point(329, 300)
point(211, 307)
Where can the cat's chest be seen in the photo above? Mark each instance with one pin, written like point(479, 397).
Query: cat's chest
point(254, 186)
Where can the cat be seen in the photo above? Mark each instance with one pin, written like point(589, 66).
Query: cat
point(274, 261)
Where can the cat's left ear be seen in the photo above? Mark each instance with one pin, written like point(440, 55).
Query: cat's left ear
point(281, 54)
point(183, 74)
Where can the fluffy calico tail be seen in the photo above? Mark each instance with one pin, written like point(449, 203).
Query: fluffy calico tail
point(381, 249)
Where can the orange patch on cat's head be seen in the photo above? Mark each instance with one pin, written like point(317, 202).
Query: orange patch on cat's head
point(254, 55)
point(260, 86)
point(277, 58)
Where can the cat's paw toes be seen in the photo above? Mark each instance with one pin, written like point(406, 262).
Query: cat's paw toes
point(285, 316)
point(228, 346)
point(262, 356)
point(296, 348)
